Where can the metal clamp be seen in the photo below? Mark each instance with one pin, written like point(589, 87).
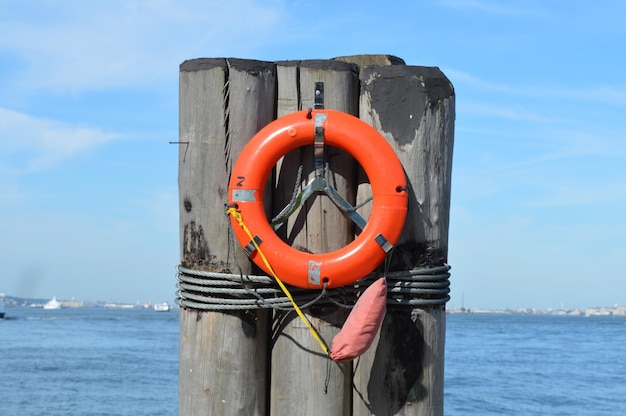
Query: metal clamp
point(321, 185)
point(319, 96)
point(318, 144)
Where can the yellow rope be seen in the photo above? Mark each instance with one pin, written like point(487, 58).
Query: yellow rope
point(237, 216)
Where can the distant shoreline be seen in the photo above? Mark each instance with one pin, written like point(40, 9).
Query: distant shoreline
point(20, 302)
point(618, 310)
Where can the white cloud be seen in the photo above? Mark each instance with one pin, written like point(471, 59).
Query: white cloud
point(75, 46)
point(30, 144)
point(512, 111)
point(576, 193)
point(583, 92)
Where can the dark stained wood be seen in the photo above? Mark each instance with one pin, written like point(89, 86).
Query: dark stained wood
point(413, 107)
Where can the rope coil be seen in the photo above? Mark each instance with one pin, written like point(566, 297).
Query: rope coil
point(214, 291)
point(194, 294)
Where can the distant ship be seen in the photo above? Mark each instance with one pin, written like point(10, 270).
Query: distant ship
point(1, 305)
point(162, 307)
point(53, 304)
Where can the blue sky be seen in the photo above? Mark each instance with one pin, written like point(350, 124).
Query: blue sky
point(89, 102)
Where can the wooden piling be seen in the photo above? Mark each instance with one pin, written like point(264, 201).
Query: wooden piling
point(304, 381)
point(413, 107)
point(226, 357)
point(222, 362)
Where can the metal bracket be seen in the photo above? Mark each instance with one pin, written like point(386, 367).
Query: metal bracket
point(244, 195)
point(318, 144)
point(383, 243)
point(321, 185)
point(251, 247)
point(314, 272)
point(319, 96)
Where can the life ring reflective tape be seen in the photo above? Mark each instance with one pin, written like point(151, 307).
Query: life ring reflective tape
point(371, 151)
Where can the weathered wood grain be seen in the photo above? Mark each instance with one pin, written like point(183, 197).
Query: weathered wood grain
point(304, 381)
point(413, 108)
point(222, 364)
point(225, 358)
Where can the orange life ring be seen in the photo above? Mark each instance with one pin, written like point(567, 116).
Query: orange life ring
point(389, 197)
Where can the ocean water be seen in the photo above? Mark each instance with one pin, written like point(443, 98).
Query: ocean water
point(535, 365)
point(96, 361)
point(88, 361)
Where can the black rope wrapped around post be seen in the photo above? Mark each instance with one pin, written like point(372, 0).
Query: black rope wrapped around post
point(212, 291)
